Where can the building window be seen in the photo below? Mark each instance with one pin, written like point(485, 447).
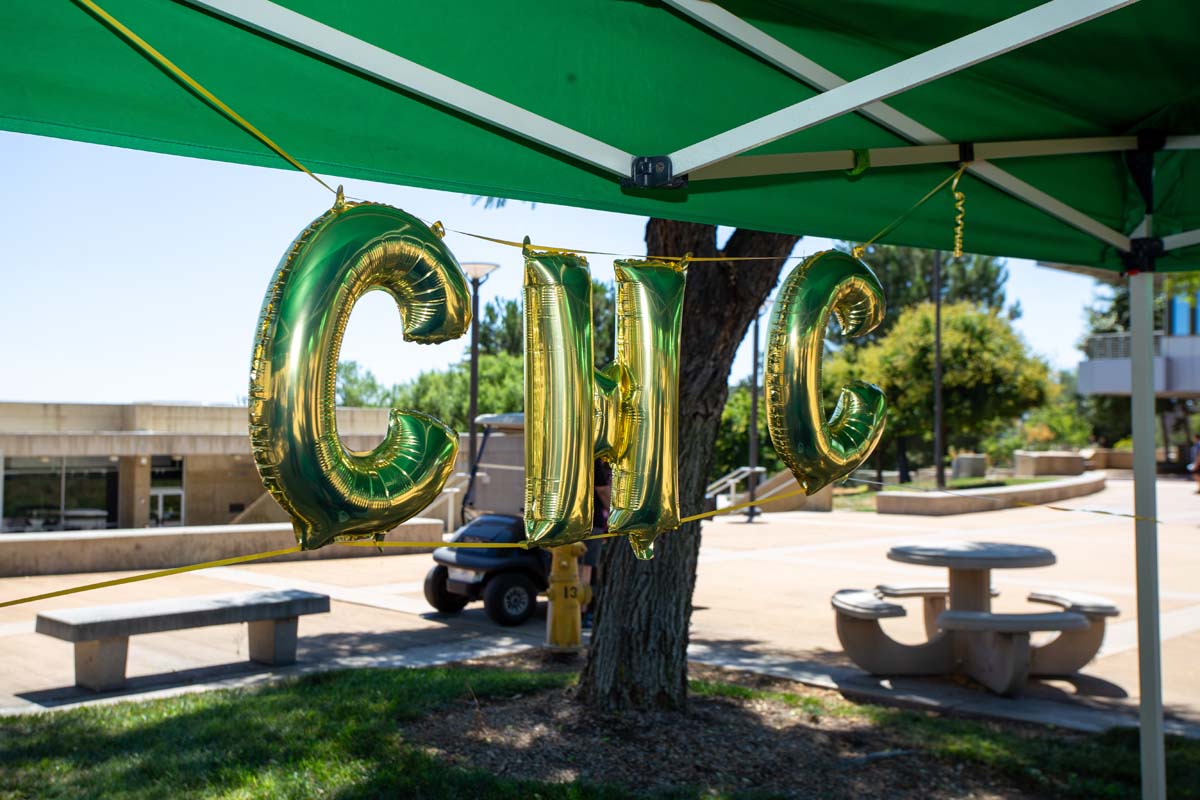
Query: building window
point(52, 493)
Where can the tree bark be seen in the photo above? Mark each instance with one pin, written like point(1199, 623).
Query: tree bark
point(638, 657)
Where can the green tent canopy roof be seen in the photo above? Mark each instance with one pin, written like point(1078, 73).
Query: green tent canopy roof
point(649, 79)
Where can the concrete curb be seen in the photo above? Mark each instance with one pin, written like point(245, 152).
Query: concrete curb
point(969, 501)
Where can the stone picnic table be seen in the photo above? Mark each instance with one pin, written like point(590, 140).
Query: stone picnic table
point(967, 636)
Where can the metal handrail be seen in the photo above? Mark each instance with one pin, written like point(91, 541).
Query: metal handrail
point(731, 480)
point(1105, 346)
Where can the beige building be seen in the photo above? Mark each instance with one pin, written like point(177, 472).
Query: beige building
point(68, 466)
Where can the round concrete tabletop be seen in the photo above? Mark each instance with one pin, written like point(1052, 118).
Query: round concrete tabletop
point(973, 555)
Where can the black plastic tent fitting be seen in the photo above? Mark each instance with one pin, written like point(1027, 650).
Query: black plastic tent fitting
point(1143, 252)
point(653, 172)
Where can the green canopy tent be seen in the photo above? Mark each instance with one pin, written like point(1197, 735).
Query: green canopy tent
point(1079, 121)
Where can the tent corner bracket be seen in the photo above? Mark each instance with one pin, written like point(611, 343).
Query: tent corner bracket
point(653, 172)
point(1144, 251)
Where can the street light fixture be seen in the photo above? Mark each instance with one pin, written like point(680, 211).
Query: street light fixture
point(477, 272)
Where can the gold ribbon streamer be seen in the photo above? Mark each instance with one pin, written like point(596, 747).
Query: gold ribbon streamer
point(573, 251)
point(858, 250)
point(195, 86)
point(960, 205)
point(502, 545)
point(162, 573)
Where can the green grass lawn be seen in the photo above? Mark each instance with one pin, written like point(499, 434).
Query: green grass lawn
point(336, 735)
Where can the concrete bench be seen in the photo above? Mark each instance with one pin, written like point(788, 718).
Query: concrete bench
point(861, 604)
point(101, 634)
point(1011, 623)
point(1072, 650)
point(1001, 659)
point(933, 599)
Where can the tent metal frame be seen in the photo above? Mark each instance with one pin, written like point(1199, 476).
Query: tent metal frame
point(715, 157)
point(966, 51)
point(810, 72)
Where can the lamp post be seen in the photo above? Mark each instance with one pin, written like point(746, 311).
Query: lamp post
point(478, 272)
point(752, 478)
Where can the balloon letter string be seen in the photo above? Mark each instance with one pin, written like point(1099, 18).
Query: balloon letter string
point(818, 451)
point(332, 493)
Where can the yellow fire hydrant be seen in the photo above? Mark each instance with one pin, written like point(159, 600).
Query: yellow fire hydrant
point(567, 595)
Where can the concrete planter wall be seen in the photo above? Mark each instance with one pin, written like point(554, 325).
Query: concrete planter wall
point(969, 501)
point(1032, 463)
point(64, 552)
point(1106, 458)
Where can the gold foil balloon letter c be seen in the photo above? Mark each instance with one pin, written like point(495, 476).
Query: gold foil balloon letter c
point(332, 493)
point(820, 451)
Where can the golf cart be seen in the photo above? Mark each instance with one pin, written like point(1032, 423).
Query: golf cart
point(508, 580)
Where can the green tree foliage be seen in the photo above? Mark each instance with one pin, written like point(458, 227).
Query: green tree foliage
point(440, 393)
point(989, 376)
point(357, 386)
point(501, 326)
point(733, 440)
point(445, 394)
point(604, 321)
point(906, 274)
point(500, 329)
point(1062, 422)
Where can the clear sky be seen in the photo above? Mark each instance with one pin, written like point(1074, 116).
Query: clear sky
point(131, 276)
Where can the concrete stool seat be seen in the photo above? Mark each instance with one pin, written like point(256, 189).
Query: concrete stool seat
point(857, 613)
point(1090, 605)
point(101, 634)
point(1072, 651)
point(998, 654)
point(862, 604)
point(917, 590)
point(933, 599)
point(1011, 623)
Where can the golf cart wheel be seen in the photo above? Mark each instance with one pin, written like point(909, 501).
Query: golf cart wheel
point(509, 598)
point(438, 596)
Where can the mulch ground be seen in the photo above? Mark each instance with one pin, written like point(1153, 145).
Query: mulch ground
point(717, 745)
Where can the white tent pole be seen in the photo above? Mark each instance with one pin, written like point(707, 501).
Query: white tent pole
point(1029, 26)
point(772, 50)
point(316, 37)
point(1141, 310)
point(1181, 239)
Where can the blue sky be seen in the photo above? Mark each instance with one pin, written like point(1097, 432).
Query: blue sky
point(131, 276)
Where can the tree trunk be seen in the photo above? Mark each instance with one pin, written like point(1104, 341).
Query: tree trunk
point(638, 657)
point(902, 459)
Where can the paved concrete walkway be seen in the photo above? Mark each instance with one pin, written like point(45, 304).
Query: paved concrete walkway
point(762, 601)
